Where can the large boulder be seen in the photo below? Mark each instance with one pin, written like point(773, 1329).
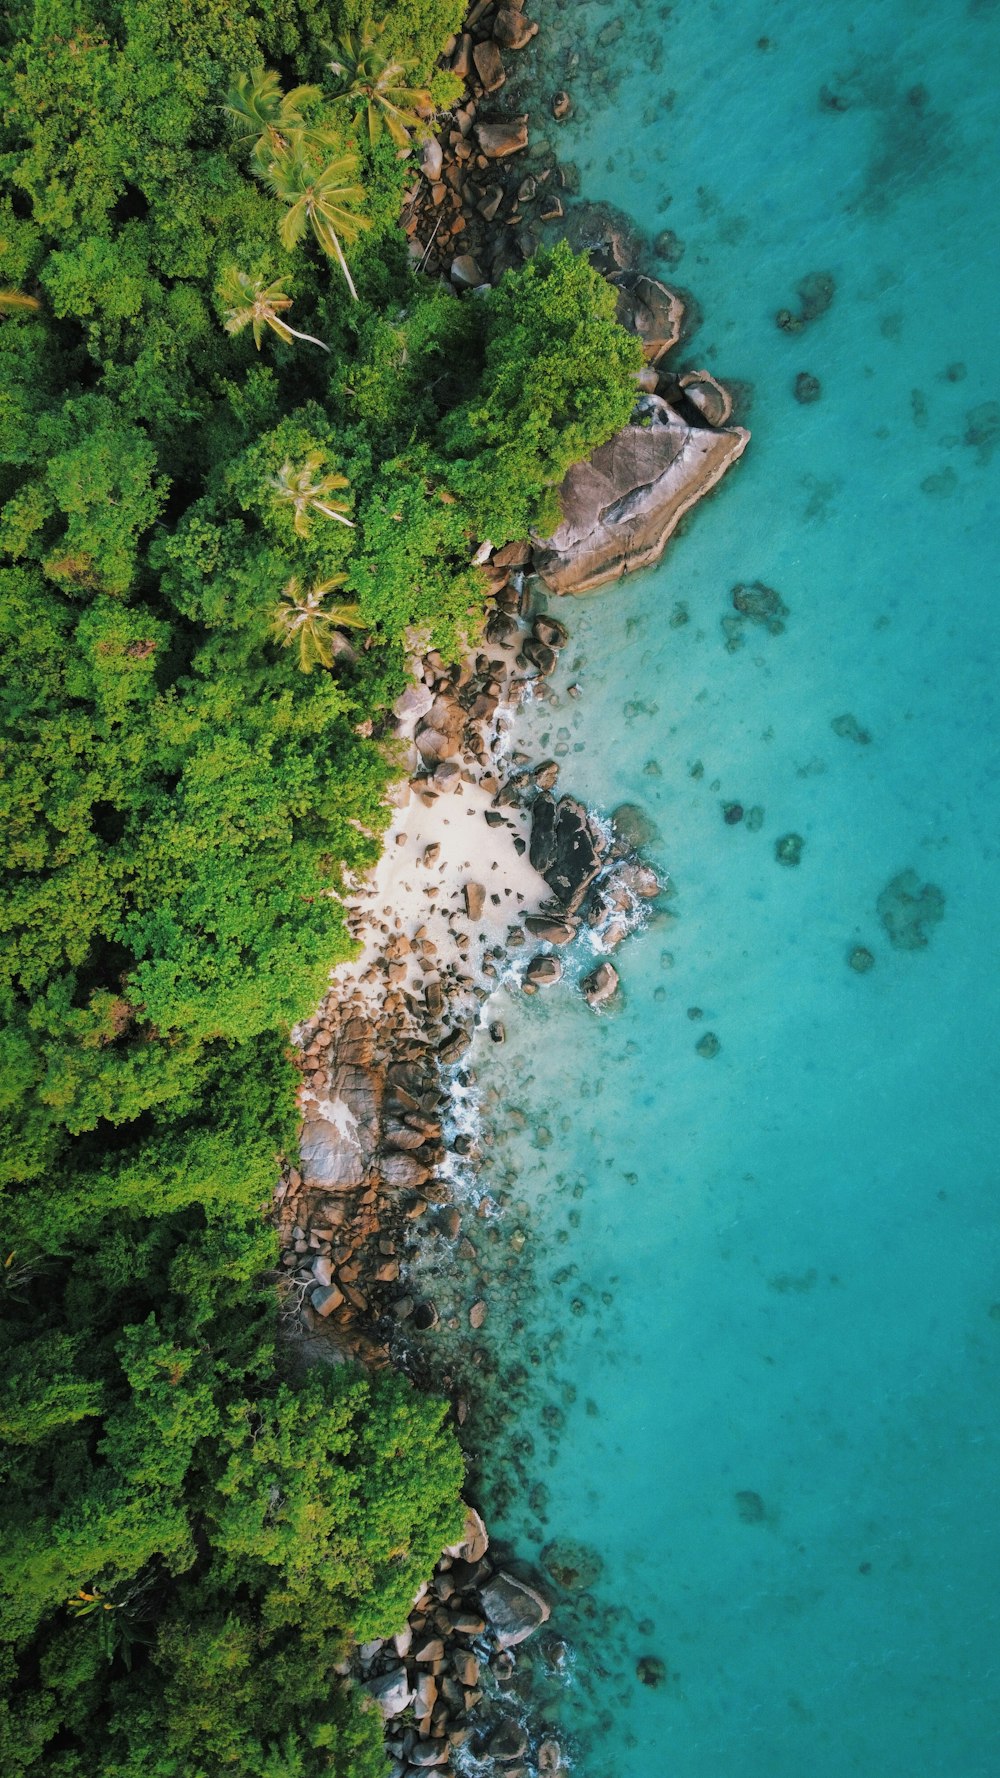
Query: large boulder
point(497, 140)
point(621, 505)
point(566, 848)
point(392, 1692)
point(475, 1539)
point(514, 1609)
point(330, 1154)
point(647, 308)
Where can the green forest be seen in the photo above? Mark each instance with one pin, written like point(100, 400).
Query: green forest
point(247, 456)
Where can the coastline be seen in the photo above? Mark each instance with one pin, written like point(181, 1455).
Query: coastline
point(472, 893)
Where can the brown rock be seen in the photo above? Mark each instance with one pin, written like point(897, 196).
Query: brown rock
point(512, 29)
point(489, 65)
point(430, 1651)
point(466, 1668)
point(461, 61)
point(497, 140)
point(554, 932)
point(543, 972)
point(513, 555)
point(601, 985)
point(477, 1314)
point(475, 899)
point(402, 1171)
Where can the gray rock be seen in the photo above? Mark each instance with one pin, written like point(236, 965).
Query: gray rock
point(466, 272)
point(330, 1153)
point(392, 1692)
point(325, 1298)
point(432, 159)
point(708, 396)
point(414, 702)
point(515, 1609)
point(508, 1740)
point(565, 848)
point(322, 1269)
point(429, 1753)
point(647, 308)
point(622, 504)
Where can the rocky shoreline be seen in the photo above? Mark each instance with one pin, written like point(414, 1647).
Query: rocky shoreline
point(486, 873)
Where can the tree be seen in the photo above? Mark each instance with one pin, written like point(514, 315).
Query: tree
point(306, 491)
point(300, 618)
point(263, 115)
point(13, 302)
point(322, 200)
point(249, 302)
point(367, 73)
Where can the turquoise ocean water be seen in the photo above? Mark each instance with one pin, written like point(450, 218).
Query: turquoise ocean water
point(765, 1343)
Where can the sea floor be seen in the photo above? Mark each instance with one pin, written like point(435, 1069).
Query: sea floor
point(752, 1350)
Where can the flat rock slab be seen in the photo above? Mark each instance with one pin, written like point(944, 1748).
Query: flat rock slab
point(622, 504)
point(330, 1154)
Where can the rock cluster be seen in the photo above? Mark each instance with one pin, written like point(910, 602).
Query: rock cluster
point(436, 1682)
point(477, 207)
point(480, 205)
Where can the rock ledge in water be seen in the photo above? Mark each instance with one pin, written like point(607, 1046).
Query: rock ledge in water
point(622, 504)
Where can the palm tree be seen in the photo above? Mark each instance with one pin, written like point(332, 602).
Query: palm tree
point(320, 200)
point(306, 491)
point(364, 72)
point(12, 302)
point(265, 116)
point(300, 618)
point(248, 302)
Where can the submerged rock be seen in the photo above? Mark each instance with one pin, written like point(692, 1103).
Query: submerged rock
point(651, 1671)
point(860, 959)
point(573, 1566)
point(907, 908)
point(622, 504)
point(788, 850)
point(708, 1046)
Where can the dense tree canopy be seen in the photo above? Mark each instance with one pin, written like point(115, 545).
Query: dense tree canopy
point(201, 431)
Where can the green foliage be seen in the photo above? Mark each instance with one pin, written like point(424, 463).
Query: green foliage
point(190, 1543)
point(557, 381)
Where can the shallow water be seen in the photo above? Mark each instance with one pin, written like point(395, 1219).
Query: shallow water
point(764, 1344)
